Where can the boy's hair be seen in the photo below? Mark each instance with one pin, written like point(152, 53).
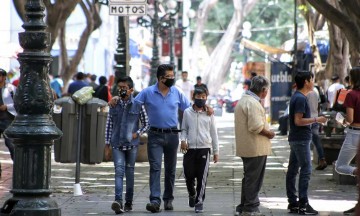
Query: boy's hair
point(300, 78)
point(102, 80)
point(184, 72)
point(199, 90)
point(355, 77)
point(161, 70)
point(128, 81)
point(2, 72)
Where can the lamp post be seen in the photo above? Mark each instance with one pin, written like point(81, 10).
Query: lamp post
point(159, 25)
point(33, 130)
point(121, 56)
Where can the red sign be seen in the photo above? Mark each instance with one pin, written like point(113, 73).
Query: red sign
point(177, 43)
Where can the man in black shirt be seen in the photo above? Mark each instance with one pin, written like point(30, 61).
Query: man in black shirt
point(199, 84)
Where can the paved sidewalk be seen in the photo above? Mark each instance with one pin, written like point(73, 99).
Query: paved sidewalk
point(223, 190)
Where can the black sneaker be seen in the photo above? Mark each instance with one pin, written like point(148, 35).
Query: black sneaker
point(293, 208)
point(238, 210)
point(192, 201)
point(117, 207)
point(128, 206)
point(350, 211)
point(199, 208)
point(153, 207)
point(168, 205)
point(306, 209)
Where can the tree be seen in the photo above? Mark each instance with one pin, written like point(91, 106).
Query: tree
point(346, 16)
point(58, 11)
point(220, 58)
point(315, 21)
point(201, 19)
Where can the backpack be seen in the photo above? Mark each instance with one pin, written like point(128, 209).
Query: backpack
point(339, 100)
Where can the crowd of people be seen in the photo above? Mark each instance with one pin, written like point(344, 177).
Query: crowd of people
point(157, 111)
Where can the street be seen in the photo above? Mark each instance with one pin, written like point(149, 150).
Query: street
point(223, 188)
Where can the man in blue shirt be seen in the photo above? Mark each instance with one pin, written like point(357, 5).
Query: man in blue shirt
point(162, 102)
point(299, 140)
point(78, 83)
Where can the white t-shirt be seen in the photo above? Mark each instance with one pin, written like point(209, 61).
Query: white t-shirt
point(186, 87)
point(331, 92)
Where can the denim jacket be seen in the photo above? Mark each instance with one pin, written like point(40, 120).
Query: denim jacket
point(125, 123)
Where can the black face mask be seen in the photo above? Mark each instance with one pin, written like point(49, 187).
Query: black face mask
point(169, 82)
point(200, 102)
point(122, 93)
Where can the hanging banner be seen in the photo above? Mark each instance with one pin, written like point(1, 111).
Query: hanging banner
point(165, 45)
point(281, 82)
point(178, 42)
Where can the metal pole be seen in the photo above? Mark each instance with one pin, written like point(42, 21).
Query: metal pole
point(295, 41)
point(79, 141)
point(33, 130)
point(155, 51)
point(171, 41)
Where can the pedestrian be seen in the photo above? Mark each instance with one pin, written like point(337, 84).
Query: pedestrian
point(185, 85)
point(200, 84)
point(299, 140)
point(7, 110)
point(350, 145)
point(198, 135)
point(253, 144)
point(92, 81)
point(333, 88)
point(313, 98)
point(57, 85)
point(77, 84)
point(162, 101)
point(122, 136)
point(102, 91)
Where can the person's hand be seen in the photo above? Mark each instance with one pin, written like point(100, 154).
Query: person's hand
point(3, 107)
point(134, 135)
point(114, 100)
point(107, 152)
point(183, 147)
point(209, 110)
point(321, 119)
point(271, 135)
point(216, 158)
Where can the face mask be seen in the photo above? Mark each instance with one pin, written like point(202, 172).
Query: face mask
point(200, 102)
point(169, 82)
point(122, 93)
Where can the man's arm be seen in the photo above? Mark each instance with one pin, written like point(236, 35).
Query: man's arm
point(108, 129)
point(144, 119)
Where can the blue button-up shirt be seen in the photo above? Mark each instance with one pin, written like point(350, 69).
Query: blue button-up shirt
point(162, 110)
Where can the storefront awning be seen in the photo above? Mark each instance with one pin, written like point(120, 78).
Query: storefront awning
point(252, 45)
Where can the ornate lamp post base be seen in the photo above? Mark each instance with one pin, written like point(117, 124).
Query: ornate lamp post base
point(33, 130)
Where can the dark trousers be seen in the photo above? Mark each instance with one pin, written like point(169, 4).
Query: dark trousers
point(254, 170)
point(283, 124)
point(3, 125)
point(196, 167)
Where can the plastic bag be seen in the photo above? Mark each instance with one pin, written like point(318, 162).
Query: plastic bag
point(83, 95)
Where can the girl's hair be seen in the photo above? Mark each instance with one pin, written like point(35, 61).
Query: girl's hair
point(355, 77)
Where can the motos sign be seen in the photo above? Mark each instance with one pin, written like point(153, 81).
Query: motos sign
point(127, 9)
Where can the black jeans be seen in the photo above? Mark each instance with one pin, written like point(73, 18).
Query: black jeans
point(3, 125)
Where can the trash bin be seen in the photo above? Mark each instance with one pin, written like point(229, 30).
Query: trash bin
point(94, 124)
point(64, 116)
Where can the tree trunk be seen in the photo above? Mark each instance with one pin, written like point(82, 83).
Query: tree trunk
point(218, 66)
point(201, 19)
point(312, 18)
point(338, 59)
point(93, 21)
point(347, 19)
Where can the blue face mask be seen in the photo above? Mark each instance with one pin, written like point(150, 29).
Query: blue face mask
point(200, 102)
